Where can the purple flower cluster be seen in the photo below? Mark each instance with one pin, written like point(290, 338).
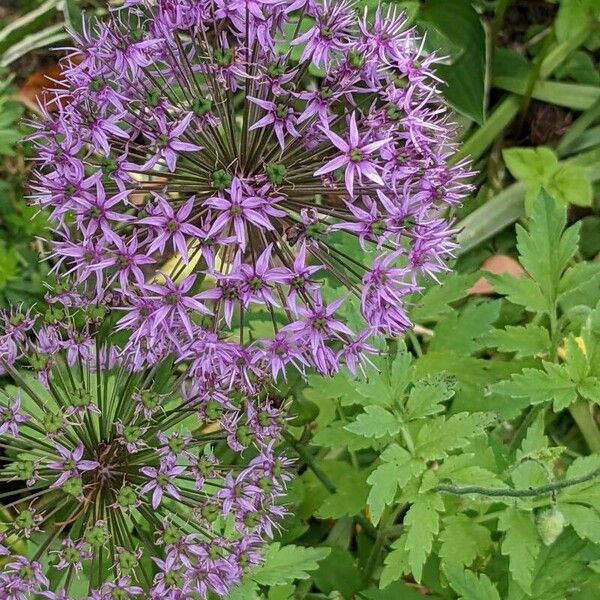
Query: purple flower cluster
point(204, 168)
point(110, 464)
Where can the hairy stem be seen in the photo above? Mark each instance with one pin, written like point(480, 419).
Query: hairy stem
point(541, 490)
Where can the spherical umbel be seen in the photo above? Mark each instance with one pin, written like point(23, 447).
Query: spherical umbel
point(118, 471)
point(257, 173)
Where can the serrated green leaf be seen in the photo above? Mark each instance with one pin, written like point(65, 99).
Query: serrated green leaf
point(384, 481)
point(520, 290)
point(530, 164)
point(469, 586)
point(462, 331)
point(397, 468)
point(439, 436)
point(398, 374)
point(467, 474)
point(528, 340)
point(584, 520)
point(589, 388)
point(436, 300)
point(552, 383)
point(559, 569)
point(529, 474)
point(570, 184)
point(395, 564)
point(521, 544)
point(576, 361)
point(368, 387)
point(422, 521)
point(463, 540)
point(546, 247)
point(534, 440)
point(426, 396)
point(285, 564)
point(580, 285)
point(583, 465)
point(376, 422)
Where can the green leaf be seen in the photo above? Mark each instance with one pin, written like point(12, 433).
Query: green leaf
point(469, 586)
point(395, 564)
point(338, 572)
point(589, 244)
point(559, 569)
point(530, 164)
point(336, 435)
point(439, 436)
point(571, 185)
point(376, 422)
point(460, 469)
point(462, 331)
point(589, 389)
point(576, 361)
point(369, 387)
point(504, 208)
point(73, 15)
point(529, 474)
point(285, 564)
point(398, 374)
point(546, 247)
point(583, 465)
point(520, 290)
point(553, 383)
point(247, 590)
point(426, 396)
point(463, 540)
point(528, 340)
point(395, 591)
point(534, 441)
point(462, 37)
point(572, 15)
point(580, 285)
point(570, 95)
point(396, 470)
point(282, 592)
point(521, 544)
point(436, 300)
point(422, 521)
point(584, 520)
point(314, 493)
point(349, 498)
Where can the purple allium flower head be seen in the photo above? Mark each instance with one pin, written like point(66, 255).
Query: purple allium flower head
point(221, 172)
point(108, 449)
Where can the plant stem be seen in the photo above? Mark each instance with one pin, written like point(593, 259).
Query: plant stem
point(541, 490)
point(581, 413)
point(497, 22)
point(388, 518)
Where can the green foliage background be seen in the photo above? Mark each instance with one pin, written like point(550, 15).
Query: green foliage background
point(465, 462)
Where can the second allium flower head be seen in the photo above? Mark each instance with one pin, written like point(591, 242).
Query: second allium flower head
point(191, 138)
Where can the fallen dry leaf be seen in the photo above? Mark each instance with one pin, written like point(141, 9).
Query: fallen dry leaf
point(36, 83)
point(497, 264)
